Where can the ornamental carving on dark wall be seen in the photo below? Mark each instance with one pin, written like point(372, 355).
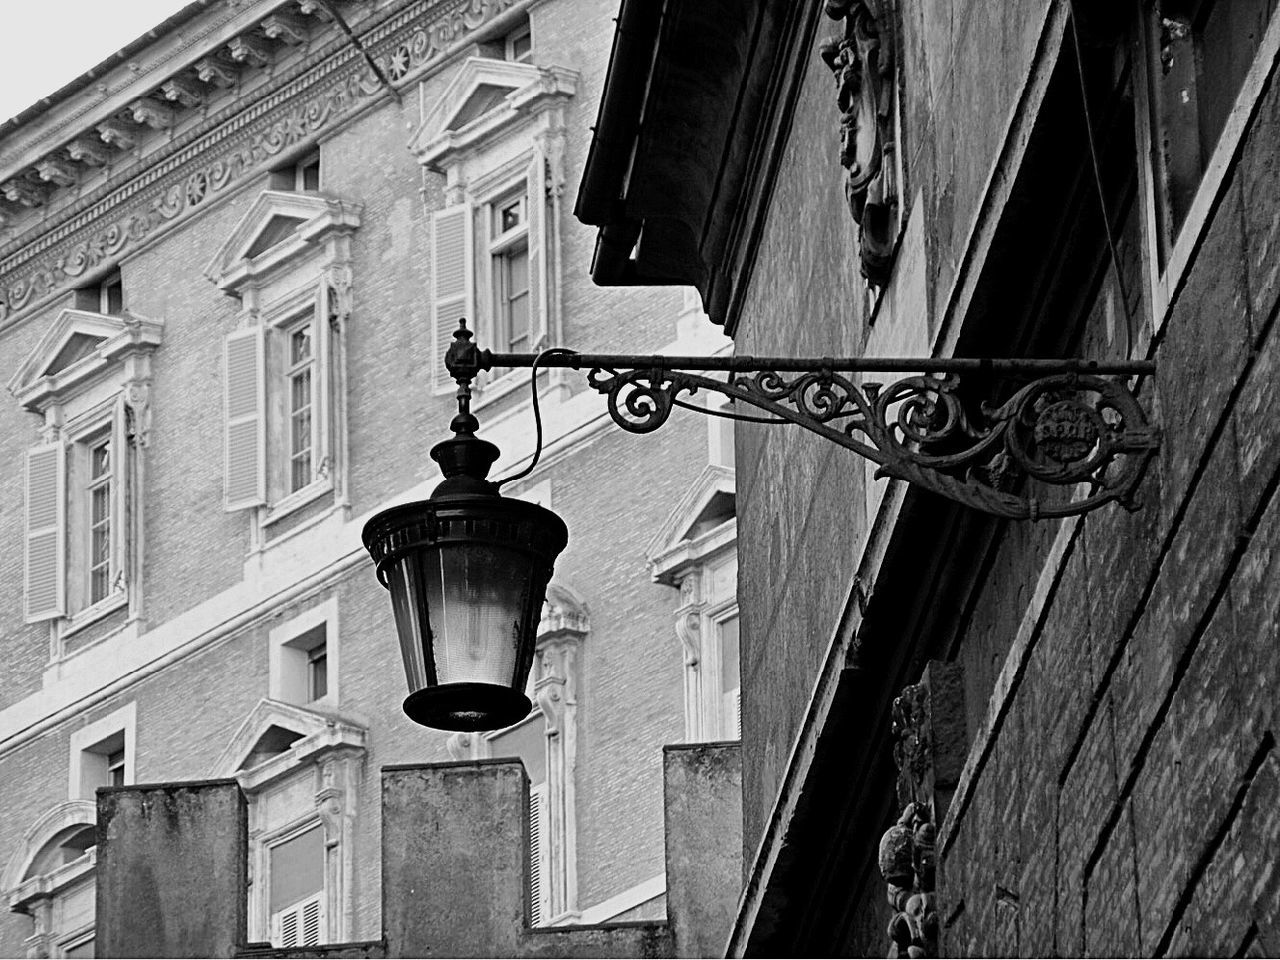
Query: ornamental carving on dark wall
point(862, 61)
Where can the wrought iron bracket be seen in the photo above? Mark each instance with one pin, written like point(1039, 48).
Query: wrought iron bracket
point(1055, 438)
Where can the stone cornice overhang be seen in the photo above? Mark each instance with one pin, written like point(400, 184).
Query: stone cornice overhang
point(696, 107)
point(311, 96)
point(910, 603)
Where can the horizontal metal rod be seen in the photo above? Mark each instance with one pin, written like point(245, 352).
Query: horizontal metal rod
point(748, 364)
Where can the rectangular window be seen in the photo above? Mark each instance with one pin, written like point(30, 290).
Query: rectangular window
point(298, 176)
point(100, 497)
point(317, 672)
point(1198, 53)
point(300, 393)
point(730, 682)
point(509, 249)
point(518, 44)
point(111, 296)
point(296, 893)
point(115, 768)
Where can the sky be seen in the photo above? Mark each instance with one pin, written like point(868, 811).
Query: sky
point(48, 43)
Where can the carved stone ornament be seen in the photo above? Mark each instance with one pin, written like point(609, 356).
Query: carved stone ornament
point(862, 61)
point(908, 865)
point(137, 402)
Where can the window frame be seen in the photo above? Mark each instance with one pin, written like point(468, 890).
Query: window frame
point(80, 436)
point(1166, 267)
point(502, 246)
point(309, 304)
point(288, 661)
point(90, 739)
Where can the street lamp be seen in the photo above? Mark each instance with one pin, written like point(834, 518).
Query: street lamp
point(468, 568)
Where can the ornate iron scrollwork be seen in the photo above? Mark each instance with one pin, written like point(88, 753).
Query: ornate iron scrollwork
point(1057, 431)
point(1074, 427)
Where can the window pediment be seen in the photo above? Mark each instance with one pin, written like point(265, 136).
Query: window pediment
point(278, 229)
point(75, 351)
point(702, 525)
point(276, 738)
point(488, 99)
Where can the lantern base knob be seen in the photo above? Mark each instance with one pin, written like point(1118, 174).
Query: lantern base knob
point(467, 706)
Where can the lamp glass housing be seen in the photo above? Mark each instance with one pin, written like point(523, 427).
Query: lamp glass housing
point(467, 574)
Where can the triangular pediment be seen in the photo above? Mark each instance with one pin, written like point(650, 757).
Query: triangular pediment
point(78, 346)
point(487, 98)
point(703, 522)
point(283, 735)
point(278, 227)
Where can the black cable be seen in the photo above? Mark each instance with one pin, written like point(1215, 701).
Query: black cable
point(537, 414)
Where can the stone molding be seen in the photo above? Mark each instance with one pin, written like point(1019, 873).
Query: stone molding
point(219, 155)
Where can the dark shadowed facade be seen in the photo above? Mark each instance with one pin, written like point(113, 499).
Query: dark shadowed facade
point(1075, 717)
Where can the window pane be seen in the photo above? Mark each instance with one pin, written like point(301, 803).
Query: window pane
point(297, 868)
point(309, 175)
point(729, 679)
point(317, 673)
point(300, 345)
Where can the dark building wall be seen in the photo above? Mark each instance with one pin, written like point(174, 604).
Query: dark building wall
point(1126, 800)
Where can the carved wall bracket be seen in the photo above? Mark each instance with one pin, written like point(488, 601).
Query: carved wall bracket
point(862, 61)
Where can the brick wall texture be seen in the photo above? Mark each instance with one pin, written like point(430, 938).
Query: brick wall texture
point(613, 489)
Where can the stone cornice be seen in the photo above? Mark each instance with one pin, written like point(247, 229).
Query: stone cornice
point(231, 146)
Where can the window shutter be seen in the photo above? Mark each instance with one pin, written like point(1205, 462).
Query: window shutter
point(539, 882)
point(536, 185)
point(244, 395)
point(451, 277)
point(301, 925)
point(46, 564)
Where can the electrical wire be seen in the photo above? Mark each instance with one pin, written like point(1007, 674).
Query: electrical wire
point(537, 414)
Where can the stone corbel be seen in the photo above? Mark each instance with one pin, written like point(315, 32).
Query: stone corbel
point(183, 90)
point(24, 192)
point(338, 279)
point(249, 49)
point(84, 150)
point(153, 113)
point(557, 688)
point(117, 134)
point(285, 28)
point(137, 403)
point(57, 171)
point(216, 72)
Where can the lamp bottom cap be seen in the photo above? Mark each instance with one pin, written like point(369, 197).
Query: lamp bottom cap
point(467, 706)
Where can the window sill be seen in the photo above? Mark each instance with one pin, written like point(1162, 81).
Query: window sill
point(91, 615)
point(297, 500)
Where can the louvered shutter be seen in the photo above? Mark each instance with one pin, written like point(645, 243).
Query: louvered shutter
point(539, 275)
point(539, 881)
point(244, 388)
point(451, 277)
point(300, 925)
point(46, 580)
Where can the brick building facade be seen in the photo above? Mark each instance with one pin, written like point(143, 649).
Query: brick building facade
point(1085, 707)
point(229, 257)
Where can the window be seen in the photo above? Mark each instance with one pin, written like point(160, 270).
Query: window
point(51, 879)
point(493, 256)
point(303, 657)
point(105, 296)
point(1199, 52)
point(102, 754)
point(696, 552)
point(509, 251)
point(297, 898)
point(299, 392)
point(283, 407)
point(517, 46)
point(527, 742)
point(300, 771)
point(299, 176)
point(83, 515)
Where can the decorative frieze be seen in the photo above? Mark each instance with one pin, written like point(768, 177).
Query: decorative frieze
point(310, 101)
